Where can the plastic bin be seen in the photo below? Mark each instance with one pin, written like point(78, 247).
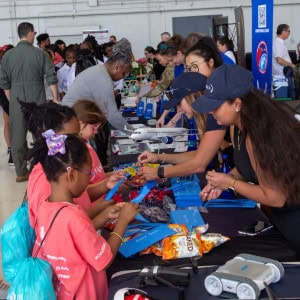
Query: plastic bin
point(280, 87)
point(281, 92)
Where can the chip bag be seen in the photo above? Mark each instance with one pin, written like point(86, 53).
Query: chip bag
point(212, 240)
point(182, 246)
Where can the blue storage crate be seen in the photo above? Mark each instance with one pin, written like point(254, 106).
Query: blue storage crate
point(281, 92)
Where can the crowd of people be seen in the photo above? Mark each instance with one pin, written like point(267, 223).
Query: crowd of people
point(204, 84)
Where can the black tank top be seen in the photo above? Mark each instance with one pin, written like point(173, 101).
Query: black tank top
point(241, 158)
point(287, 218)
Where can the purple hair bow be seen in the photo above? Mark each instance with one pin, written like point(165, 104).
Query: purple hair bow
point(55, 142)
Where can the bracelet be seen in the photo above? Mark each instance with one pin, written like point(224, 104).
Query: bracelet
point(116, 234)
point(162, 161)
point(233, 184)
point(232, 187)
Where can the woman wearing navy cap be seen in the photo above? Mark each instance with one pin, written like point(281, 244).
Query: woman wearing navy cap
point(271, 138)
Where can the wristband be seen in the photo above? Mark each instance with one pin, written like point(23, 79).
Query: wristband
point(161, 172)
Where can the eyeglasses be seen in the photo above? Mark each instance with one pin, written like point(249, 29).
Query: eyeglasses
point(194, 66)
point(88, 172)
point(169, 93)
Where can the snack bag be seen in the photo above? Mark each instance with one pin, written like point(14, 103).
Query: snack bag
point(157, 248)
point(212, 240)
point(182, 246)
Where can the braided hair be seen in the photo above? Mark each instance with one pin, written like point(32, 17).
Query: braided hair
point(121, 52)
point(45, 116)
point(42, 117)
point(76, 156)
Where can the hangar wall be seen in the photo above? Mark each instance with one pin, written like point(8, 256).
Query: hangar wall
point(141, 21)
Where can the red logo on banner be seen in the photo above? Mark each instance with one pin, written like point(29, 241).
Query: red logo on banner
point(262, 57)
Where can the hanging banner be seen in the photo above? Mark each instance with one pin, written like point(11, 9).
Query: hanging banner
point(262, 36)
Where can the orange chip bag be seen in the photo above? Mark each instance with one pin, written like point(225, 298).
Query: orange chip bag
point(181, 246)
point(180, 229)
point(155, 249)
point(212, 240)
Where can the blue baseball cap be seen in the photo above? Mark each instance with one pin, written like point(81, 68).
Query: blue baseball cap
point(185, 84)
point(225, 83)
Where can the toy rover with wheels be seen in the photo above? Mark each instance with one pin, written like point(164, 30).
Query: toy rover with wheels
point(245, 275)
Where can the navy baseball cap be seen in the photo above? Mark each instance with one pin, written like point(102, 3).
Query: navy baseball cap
point(185, 84)
point(225, 83)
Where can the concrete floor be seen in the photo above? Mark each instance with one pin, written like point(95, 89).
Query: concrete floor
point(11, 193)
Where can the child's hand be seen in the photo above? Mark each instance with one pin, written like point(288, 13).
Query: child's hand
point(114, 178)
point(113, 211)
point(128, 211)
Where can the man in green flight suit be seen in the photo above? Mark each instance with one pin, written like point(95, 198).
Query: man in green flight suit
point(23, 71)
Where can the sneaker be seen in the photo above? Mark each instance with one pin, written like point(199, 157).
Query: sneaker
point(22, 178)
point(10, 160)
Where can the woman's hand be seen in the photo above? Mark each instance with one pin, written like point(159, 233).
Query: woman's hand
point(147, 157)
point(219, 180)
point(160, 122)
point(148, 173)
point(209, 193)
point(216, 183)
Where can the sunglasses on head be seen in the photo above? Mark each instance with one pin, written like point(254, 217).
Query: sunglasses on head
point(193, 67)
point(169, 93)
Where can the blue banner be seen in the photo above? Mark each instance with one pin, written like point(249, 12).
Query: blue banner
point(262, 36)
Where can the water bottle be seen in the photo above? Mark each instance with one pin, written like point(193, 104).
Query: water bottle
point(225, 165)
point(148, 111)
point(225, 169)
point(192, 136)
point(162, 103)
point(154, 109)
point(140, 109)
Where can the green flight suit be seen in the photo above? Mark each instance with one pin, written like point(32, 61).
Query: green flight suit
point(23, 70)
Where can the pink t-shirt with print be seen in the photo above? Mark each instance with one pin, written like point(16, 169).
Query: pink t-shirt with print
point(78, 255)
point(39, 190)
point(96, 166)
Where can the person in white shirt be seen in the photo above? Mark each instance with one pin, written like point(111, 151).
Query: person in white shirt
point(281, 57)
point(225, 45)
point(62, 73)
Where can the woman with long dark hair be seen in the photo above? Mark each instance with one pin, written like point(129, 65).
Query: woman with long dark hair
point(270, 172)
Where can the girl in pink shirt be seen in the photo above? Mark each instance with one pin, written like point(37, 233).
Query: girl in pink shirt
point(63, 120)
point(90, 119)
point(76, 253)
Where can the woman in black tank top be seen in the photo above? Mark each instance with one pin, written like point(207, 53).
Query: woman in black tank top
point(267, 148)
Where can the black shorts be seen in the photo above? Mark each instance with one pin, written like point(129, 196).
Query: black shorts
point(4, 102)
